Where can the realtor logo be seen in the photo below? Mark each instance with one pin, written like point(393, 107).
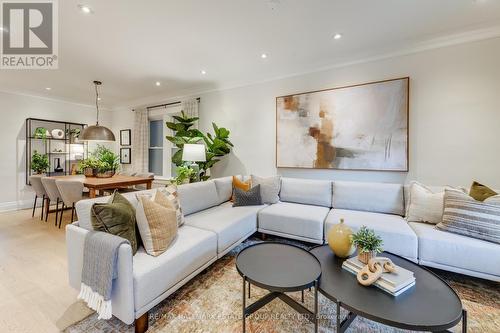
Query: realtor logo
point(29, 34)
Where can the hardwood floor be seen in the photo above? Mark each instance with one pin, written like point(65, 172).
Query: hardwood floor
point(35, 295)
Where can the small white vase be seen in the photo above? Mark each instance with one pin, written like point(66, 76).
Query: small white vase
point(57, 133)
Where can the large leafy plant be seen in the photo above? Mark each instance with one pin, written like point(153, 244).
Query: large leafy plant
point(217, 144)
point(102, 160)
point(39, 162)
point(367, 241)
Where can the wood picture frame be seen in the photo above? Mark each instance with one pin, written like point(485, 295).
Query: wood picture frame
point(125, 155)
point(361, 127)
point(125, 137)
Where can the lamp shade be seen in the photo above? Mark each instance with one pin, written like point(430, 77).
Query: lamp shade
point(96, 133)
point(194, 153)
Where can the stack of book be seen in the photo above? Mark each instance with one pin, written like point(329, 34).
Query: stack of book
point(392, 283)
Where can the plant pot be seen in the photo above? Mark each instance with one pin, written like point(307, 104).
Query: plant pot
point(89, 172)
point(106, 174)
point(364, 257)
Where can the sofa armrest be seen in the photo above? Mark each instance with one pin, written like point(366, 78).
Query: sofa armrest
point(122, 295)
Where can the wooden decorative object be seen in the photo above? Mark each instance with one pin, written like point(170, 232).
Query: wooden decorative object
point(374, 269)
point(364, 257)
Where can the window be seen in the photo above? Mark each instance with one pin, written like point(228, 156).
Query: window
point(160, 149)
point(156, 147)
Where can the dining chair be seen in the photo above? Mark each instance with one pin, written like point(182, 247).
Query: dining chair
point(36, 184)
point(71, 192)
point(143, 175)
point(127, 173)
point(53, 195)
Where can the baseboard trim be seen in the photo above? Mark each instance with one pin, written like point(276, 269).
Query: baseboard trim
point(17, 205)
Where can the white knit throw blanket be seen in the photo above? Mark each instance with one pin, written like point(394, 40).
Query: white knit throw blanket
point(100, 256)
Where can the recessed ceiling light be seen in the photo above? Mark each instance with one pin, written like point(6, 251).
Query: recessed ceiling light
point(203, 72)
point(337, 36)
point(158, 83)
point(48, 88)
point(263, 55)
point(99, 98)
point(85, 9)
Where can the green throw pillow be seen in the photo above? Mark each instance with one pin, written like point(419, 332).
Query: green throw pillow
point(481, 192)
point(116, 217)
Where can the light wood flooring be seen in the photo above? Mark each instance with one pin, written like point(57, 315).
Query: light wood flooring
point(35, 295)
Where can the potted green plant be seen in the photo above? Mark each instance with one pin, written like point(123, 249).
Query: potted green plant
point(184, 175)
point(39, 163)
point(89, 166)
point(41, 133)
point(109, 162)
point(368, 244)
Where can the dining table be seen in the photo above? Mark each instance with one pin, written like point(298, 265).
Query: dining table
point(96, 184)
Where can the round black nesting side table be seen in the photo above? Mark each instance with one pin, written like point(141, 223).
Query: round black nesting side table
point(430, 305)
point(279, 268)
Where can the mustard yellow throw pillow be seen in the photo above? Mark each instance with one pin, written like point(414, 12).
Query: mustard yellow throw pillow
point(239, 184)
point(481, 192)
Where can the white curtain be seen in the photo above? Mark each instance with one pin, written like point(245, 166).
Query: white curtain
point(190, 108)
point(140, 141)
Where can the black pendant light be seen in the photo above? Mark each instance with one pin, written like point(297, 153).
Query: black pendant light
point(97, 132)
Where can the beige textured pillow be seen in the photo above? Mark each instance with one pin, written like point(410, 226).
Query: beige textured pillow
point(157, 225)
point(167, 197)
point(425, 205)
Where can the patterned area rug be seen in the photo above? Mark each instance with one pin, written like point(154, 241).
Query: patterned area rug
point(211, 302)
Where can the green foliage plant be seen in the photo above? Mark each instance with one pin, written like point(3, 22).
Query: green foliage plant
point(367, 241)
point(39, 162)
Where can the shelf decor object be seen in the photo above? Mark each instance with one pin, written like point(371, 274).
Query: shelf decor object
point(125, 137)
point(358, 127)
point(62, 153)
point(97, 132)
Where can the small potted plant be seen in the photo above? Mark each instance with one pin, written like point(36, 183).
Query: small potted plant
point(89, 166)
point(367, 243)
point(184, 174)
point(39, 163)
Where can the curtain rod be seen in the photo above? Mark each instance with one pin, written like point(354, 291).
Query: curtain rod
point(166, 104)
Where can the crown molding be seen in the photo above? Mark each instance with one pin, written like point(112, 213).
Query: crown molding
point(411, 48)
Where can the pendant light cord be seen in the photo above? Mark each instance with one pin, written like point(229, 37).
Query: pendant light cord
point(97, 103)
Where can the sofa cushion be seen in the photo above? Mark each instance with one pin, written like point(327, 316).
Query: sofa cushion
point(293, 219)
point(397, 235)
point(371, 197)
point(444, 248)
point(269, 188)
point(306, 191)
point(229, 223)
point(190, 250)
point(198, 196)
point(224, 188)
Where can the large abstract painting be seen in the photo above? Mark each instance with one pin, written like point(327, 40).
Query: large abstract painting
point(361, 127)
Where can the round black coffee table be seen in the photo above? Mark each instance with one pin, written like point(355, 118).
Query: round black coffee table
point(279, 268)
point(430, 305)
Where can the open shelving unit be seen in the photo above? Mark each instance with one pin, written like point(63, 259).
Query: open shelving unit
point(66, 151)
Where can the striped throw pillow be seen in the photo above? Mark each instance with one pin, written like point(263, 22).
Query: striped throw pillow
point(157, 225)
point(466, 216)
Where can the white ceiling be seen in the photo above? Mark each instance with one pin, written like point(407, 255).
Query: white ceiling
point(130, 45)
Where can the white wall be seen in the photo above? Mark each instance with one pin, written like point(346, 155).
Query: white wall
point(454, 116)
point(14, 111)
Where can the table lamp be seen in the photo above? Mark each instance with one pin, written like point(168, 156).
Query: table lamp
point(194, 153)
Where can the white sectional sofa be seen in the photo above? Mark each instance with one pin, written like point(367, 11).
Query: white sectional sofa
point(306, 211)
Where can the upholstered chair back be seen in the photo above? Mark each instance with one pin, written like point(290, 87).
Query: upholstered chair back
point(51, 188)
point(71, 191)
point(36, 184)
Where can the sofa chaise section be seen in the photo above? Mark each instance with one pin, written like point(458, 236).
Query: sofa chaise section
point(232, 225)
point(457, 253)
point(395, 232)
